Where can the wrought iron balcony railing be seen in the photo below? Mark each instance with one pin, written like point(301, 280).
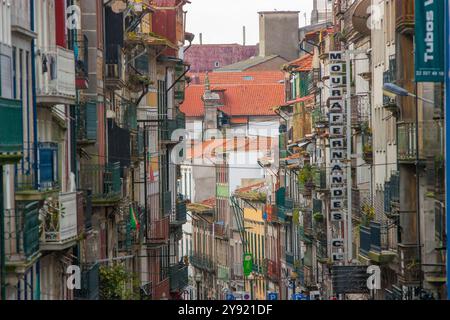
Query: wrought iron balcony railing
point(158, 231)
point(60, 222)
point(178, 276)
point(203, 262)
point(40, 173)
point(86, 123)
point(90, 283)
point(21, 233)
point(56, 76)
point(103, 180)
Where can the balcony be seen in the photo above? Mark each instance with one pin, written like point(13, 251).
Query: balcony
point(392, 194)
point(179, 217)
point(60, 223)
point(178, 277)
point(320, 119)
point(221, 230)
point(360, 107)
point(81, 50)
point(170, 126)
point(11, 131)
point(404, 13)
point(223, 273)
point(128, 116)
point(273, 270)
point(390, 76)
point(21, 235)
point(114, 77)
point(33, 179)
point(21, 19)
point(137, 146)
point(374, 243)
point(407, 148)
point(320, 179)
point(104, 181)
point(56, 76)
point(158, 231)
point(90, 283)
point(289, 203)
point(202, 262)
point(272, 213)
point(86, 124)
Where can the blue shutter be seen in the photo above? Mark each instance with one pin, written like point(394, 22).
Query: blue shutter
point(46, 165)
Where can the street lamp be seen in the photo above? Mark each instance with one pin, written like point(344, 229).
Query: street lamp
point(198, 279)
point(390, 89)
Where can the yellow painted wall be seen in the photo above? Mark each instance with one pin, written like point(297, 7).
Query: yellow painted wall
point(254, 225)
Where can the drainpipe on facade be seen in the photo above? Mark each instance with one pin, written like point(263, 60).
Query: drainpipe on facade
point(33, 84)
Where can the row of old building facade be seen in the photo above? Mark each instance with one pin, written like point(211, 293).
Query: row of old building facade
point(284, 218)
point(89, 99)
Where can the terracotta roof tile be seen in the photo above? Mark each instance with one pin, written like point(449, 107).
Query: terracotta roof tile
point(303, 64)
point(245, 93)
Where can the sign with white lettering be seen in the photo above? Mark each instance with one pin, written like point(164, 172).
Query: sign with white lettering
point(429, 36)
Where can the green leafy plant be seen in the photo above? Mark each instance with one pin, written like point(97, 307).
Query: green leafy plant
point(368, 213)
point(116, 283)
point(306, 174)
point(318, 217)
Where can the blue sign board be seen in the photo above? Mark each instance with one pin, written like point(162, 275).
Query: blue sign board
point(272, 296)
point(300, 296)
point(230, 296)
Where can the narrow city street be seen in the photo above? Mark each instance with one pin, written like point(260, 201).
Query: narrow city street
point(254, 150)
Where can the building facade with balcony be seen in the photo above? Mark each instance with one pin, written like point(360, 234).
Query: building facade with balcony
point(79, 176)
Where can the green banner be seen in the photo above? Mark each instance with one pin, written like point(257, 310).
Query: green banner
point(429, 39)
point(248, 264)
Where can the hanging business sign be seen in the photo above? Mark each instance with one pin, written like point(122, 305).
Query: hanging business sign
point(248, 264)
point(447, 128)
point(337, 121)
point(429, 36)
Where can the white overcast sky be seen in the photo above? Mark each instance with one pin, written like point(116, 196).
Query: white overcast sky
point(221, 21)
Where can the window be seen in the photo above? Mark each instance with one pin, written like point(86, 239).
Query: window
point(48, 165)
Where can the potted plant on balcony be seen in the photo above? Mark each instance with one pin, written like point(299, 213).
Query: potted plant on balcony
point(50, 216)
point(306, 176)
point(368, 214)
point(368, 153)
point(137, 82)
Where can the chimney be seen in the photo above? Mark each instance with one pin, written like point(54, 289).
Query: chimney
point(243, 35)
point(211, 103)
point(315, 14)
point(201, 38)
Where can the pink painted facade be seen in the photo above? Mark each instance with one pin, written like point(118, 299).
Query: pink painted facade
point(208, 57)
